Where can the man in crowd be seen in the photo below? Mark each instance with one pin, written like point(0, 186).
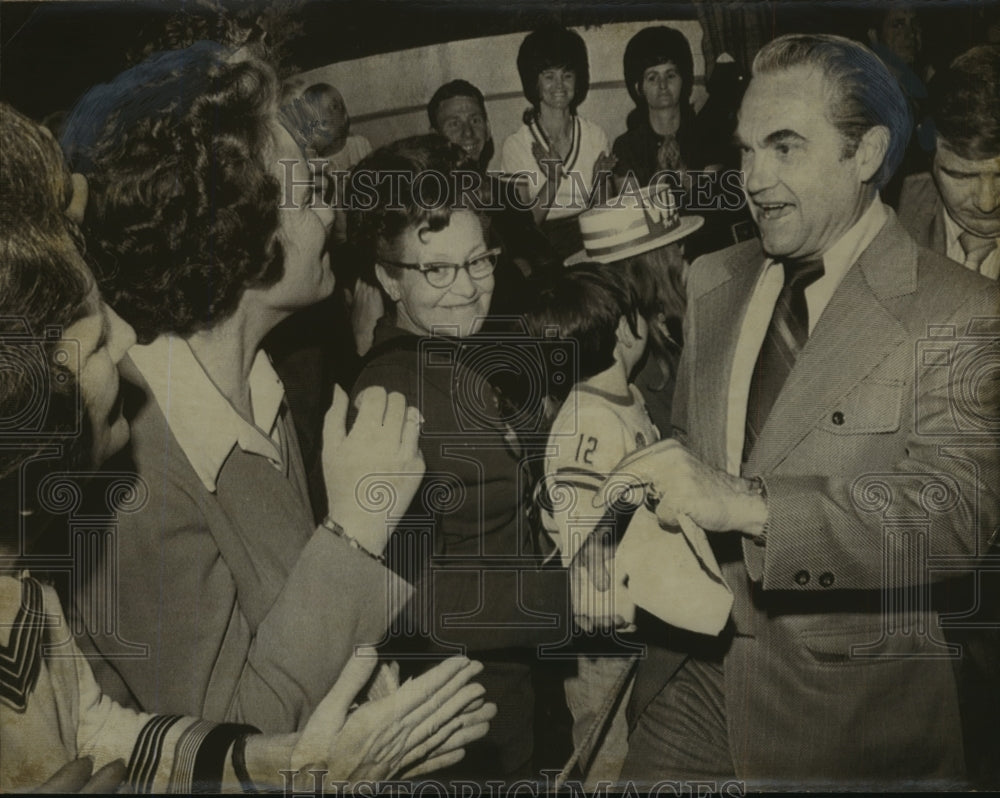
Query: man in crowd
point(955, 209)
point(825, 436)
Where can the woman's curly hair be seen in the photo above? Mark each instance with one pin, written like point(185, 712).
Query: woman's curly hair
point(44, 288)
point(411, 183)
point(183, 210)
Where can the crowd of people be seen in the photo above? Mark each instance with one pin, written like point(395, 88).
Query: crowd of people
point(371, 424)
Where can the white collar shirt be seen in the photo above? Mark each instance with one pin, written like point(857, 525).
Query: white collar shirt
point(988, 268)
point(204, 422)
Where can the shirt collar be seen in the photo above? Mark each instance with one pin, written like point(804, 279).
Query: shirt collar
point(839, 258)
point(203, 421)
point(952, 231)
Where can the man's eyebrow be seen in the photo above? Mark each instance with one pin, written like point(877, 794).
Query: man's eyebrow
point(783, 136)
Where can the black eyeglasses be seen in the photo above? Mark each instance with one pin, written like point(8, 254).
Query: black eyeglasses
point(442, 275)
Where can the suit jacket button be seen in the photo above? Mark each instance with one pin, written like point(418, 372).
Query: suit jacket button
point(837, 418)
point(802, 578)
point(826, 579)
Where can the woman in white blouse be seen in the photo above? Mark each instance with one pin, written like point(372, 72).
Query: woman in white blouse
point(559, 156)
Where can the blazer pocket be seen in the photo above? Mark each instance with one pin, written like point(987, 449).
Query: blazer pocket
point(873, 406)
point(858, 646)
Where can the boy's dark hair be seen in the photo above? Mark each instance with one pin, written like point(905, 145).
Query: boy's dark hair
point(584, 304)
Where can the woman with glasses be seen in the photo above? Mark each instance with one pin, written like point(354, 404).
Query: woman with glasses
point(425, 241)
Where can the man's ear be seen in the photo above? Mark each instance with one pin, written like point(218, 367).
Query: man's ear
point(871, 151)
point(389, 283)
point(624, 333)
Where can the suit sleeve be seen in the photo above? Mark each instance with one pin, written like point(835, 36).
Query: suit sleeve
point(682, 386)
point(204, 657)
point(335, 599)
point(163, 753)
point(939, 499)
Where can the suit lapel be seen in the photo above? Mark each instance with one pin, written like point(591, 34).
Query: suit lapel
point(720, 311)
point(938, 238)
point(837, 355)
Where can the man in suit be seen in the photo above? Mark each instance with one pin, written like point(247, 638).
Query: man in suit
point(837, 419)
point(955, 209)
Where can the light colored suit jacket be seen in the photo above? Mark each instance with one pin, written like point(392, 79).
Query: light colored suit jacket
point(921, 212)
point(879, 471)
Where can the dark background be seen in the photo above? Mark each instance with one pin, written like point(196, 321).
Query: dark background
point(51, 52)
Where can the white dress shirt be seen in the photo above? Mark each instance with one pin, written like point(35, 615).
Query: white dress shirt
point(204, 422)
point(837, 260)
point(988, 268)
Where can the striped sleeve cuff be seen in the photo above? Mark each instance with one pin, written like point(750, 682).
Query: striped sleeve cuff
point(181, 755)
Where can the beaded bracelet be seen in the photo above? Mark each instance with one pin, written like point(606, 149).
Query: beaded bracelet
point(338, 530)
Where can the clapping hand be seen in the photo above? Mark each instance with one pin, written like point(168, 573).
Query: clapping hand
point(420, 727)
point(603, 167)
point(383, 443)
point(549, 162)
point(77, 777)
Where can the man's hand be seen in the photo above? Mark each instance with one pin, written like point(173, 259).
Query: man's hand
point(593, 581)
point(683, 485)
point(382, 443)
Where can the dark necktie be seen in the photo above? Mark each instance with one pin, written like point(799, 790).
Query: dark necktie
point(786, 335)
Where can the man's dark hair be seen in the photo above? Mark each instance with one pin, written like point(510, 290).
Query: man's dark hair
point(862, 93)
point(453, 88)
point(964, 102)
point(43, 289)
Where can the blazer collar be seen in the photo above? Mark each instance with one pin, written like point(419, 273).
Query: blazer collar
point(720, 308)
point(834, 360)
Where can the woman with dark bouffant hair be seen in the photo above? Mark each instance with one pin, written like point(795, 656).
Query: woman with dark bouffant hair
point(661, 135)
point(203, 234)
point(559, 154)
